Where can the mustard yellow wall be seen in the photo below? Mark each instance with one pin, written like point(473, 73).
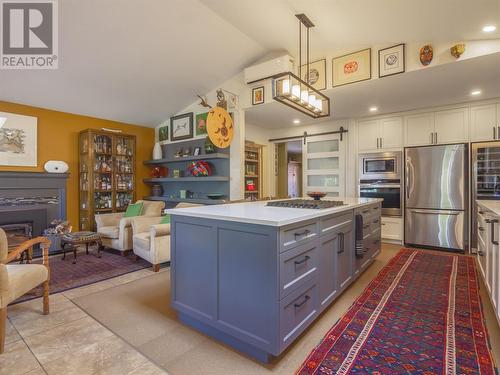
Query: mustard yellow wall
point(58, 140)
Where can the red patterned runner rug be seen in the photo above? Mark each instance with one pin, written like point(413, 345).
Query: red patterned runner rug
point(420, 315)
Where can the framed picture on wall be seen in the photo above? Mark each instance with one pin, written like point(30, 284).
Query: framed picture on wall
point(391, 60)
point(258, 95)
point(350, 68)
point(163, 133)
point(18, 140)
point(317, 74)
point(201, 123)
point(181, 127)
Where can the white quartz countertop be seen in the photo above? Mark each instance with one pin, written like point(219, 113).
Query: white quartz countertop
point(491, 205)
point(259, 213)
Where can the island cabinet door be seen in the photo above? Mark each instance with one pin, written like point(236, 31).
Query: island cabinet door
point(328, 250)
point(335, 261)
point(345, 256)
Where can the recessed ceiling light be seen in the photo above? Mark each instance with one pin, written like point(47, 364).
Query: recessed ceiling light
point(373, 109)
point(296, 121)
point(2, 121)
point(489, 28)
point(475, 92)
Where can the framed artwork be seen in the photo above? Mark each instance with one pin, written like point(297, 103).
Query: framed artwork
point(258, 95)
point(18, 140)
point(351, 68)
point(391, 60)
point(181, 127)
point(317, 74)
point(201, 124)
point(163, 133)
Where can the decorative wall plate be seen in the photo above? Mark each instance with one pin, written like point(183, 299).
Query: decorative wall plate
point(426, 54)
point(220, 127)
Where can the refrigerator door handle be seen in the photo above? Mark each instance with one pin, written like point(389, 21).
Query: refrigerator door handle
point(435, 212)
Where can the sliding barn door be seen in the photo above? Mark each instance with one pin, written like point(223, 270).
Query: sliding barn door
point(324, 165)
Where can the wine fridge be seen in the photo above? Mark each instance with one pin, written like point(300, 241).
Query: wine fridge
point(485, 178)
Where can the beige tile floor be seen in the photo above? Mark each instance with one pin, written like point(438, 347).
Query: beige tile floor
point(69, 341)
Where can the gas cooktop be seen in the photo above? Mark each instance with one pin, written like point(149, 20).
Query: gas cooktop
point(306, 203)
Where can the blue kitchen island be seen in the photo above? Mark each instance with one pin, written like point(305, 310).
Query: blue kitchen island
point(255, 276)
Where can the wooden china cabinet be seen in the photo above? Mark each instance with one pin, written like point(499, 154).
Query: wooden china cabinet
point(106, 173)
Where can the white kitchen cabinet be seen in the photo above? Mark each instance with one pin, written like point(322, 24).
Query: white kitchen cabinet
point(368, 135)
point(489, 252)
point(483, 122)
point(380, 134)
point(392, 228)
point(419, 129)
point(451, 126)
point(391, 132)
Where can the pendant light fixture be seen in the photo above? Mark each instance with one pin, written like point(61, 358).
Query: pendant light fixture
point(297, 93)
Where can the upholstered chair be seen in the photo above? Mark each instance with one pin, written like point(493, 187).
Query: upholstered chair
point(18, 279)
point(116, 230)
point(151, 239)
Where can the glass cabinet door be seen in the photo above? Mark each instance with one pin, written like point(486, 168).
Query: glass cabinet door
point(324, 165)
point(124, 171)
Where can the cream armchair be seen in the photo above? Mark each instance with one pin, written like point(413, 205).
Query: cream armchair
point(17, 279)
point(151, 240)
point(116, 230)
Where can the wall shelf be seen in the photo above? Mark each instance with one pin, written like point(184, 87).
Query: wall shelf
point(185, 179)
point(187, 200)
point(217, 155)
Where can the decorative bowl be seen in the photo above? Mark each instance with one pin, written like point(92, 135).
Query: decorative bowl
point(316, 195)
point(215, 195)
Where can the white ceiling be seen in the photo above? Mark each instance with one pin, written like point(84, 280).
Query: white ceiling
point(347, 25)
point(133, 61)
point(442, 85)
point(142, 61)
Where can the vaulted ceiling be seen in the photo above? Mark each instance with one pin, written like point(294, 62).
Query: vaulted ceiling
point(142, 61)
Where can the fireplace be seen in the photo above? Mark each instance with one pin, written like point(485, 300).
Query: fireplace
point(29, 202)
point(17, 233)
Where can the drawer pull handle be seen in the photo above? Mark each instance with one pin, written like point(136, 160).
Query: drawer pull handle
point(303, 233)
point(365, 211)
point(366, 226)
point(306, 298)
point(375, 221)
point(305, 259)
point(481, 212)
point(480, 253)
point(481, 229)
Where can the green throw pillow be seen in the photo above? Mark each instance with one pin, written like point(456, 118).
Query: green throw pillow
point(133, 210)
point(165, 220)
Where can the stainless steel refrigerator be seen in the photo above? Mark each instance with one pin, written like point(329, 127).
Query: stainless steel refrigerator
point(436, 196)
point(485, 178)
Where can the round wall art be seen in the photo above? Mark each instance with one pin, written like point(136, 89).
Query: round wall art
point(220, 127)
point(426, 54)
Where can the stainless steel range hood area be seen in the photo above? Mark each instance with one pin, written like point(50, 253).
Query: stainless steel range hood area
point(436, 197)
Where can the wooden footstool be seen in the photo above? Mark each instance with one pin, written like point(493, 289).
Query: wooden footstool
point(75, 239)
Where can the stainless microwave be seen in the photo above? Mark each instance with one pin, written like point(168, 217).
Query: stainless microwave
point(380, 165)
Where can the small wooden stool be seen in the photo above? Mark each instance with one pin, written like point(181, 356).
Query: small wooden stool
point(73, 240)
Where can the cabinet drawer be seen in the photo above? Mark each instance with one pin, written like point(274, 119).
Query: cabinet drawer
point(376, 210)
point(296, 235)
point(392, 228)
point(297, 311)
point(297, 266)
point(375, 223)
point(332, 223)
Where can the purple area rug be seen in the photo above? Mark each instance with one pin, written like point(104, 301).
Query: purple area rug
point(88, 269)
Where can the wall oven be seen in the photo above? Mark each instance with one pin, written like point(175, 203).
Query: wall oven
point(380, 177)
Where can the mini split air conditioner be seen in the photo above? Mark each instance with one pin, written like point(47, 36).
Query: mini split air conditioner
point(268, 68)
